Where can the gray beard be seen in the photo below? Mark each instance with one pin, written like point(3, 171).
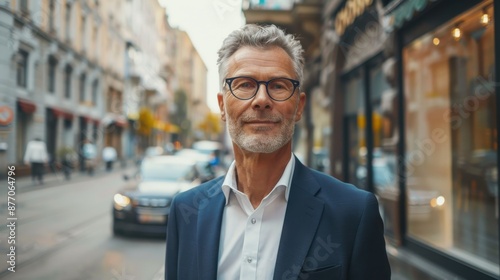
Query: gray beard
point(260, 143)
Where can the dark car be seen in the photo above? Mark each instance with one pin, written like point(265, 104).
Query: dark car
point(143, 205)
point(479, 172)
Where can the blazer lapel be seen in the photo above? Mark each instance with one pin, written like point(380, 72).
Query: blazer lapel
point(302, 218)
point(209, 225)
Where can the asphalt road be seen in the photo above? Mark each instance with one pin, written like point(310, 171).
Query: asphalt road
point(63, 231)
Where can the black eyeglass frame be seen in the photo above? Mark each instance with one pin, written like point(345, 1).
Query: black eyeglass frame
point(295, 83)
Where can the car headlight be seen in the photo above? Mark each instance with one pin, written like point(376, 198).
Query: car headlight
point(121, 201)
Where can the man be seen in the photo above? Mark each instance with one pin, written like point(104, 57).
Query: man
point(36, 155)
point(89, 152)
point(271, 217)
point(109, 156)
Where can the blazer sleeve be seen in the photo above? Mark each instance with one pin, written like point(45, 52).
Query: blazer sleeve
point(369, 257)
point(171, 259)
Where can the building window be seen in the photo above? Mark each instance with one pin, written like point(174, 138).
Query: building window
point(83, 79)
point(95, 88)
point(51, 86)
point(51, 15)
point(24, 6)
point(67, 21)
point(68, 71)
point(94, 40)
point(22, 68)
point(83, 30)
point(452, 139)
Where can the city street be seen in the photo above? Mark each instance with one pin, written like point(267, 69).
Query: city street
point(64, 232)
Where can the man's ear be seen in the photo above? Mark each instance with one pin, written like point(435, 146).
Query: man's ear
point(220, 99)
point(301, 106)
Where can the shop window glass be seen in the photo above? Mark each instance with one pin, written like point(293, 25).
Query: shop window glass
point(451, 139)
point(384, 166)
point(355, 124)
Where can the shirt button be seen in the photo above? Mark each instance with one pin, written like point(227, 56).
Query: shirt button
point(254, 221)
point(249, 260)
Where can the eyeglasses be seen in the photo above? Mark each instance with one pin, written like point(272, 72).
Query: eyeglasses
point(279, 89)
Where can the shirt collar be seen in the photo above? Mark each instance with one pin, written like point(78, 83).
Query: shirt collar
point(285, 180)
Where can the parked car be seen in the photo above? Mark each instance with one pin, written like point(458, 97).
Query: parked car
point(208, 147)
point(481, 169)
point(153, 151)
point(204, 162)
point(143, 204)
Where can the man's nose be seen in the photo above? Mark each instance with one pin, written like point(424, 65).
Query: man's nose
point(262, 99)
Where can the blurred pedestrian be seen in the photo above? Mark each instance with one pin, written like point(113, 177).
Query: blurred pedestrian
point(89, 153)
point(271, 217)
point(109, 156)
point(36, 155)
point(67, 156)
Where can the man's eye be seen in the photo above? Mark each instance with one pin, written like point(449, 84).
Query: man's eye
point(279, 85)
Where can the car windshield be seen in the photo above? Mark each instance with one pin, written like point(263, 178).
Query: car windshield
point(155, 171)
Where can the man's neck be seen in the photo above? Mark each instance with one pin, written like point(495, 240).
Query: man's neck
point(257, 174)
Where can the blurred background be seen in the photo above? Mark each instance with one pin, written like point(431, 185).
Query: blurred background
point(402, 99)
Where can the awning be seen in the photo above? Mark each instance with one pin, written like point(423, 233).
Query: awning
point(27, 106)
point(89, 119)
point(403, 11)
point(60, 113)
point(120, 122)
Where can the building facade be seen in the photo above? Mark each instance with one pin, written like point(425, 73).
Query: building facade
point(415, 108)
point(52, 79)
point(67, 75)
point(148, 71)
point(191, 79)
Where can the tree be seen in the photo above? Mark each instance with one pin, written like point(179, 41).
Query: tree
point(179, 116)
point(145, 122)
point(210, 125)
point(145, 125)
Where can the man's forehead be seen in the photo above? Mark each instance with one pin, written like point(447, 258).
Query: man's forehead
point(269, 56)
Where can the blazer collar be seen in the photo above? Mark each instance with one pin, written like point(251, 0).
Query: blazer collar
point(302, 218)
point(211, 207)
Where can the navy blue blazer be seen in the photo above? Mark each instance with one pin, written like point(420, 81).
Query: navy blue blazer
point(332, 230)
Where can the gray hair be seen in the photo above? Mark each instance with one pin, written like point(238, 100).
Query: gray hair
point(263, 37)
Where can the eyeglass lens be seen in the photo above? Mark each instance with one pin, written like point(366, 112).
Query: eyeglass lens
point(246, 88)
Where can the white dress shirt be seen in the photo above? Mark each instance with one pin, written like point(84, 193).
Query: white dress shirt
point(250, 238)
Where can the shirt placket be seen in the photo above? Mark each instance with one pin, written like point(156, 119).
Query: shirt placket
point(251, 242)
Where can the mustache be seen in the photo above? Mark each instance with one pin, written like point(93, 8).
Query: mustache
point(261, 117)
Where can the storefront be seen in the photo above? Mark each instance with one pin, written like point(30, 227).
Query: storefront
point(417, 110)
point(449, 132)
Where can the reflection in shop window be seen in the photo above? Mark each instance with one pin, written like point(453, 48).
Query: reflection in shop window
point(451, 139)
point(384, 166)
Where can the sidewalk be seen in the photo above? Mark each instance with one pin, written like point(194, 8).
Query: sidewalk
point(52, 179)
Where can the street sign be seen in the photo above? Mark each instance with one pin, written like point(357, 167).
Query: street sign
point(6, 115)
